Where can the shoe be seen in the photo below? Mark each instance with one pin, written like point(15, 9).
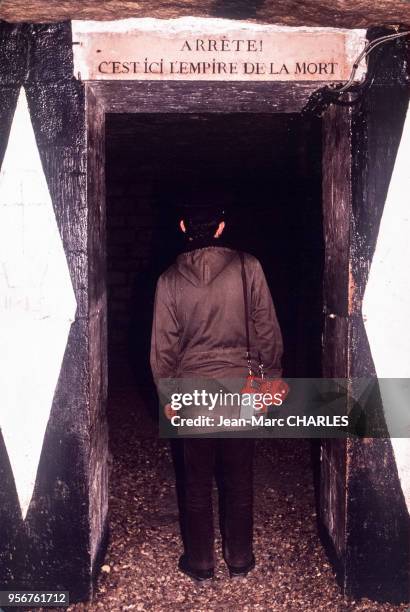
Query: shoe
point(196, 574)
point(241, 572)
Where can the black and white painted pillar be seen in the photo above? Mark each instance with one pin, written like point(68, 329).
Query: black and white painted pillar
point(378, 469)
point(365, 505)
point(53, 434)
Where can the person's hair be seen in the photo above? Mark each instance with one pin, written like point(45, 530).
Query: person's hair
point(202, 222)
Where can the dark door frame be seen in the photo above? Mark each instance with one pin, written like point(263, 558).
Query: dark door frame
point(202, 96)
point(150, 97)
point(102, 97)
point(253, 97)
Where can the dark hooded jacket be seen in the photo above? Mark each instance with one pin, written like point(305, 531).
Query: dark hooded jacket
point(199, 322)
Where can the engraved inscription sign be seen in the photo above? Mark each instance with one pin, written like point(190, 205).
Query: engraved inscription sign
point(212, 49)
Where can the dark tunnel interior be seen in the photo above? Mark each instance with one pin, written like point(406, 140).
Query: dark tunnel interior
point(268, 167)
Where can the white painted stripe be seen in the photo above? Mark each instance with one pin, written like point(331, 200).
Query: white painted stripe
point(37, 303)
point(386, 308)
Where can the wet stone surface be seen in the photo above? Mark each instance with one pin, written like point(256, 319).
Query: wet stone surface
point(140, 572)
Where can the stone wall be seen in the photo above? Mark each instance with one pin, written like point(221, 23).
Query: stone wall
point(130, 223)
point(266, 166)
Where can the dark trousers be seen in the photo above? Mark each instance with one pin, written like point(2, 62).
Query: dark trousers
point(231, 460)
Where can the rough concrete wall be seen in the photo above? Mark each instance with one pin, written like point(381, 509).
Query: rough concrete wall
point(327, 13)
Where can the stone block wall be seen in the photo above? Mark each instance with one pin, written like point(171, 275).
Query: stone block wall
point(268, 170)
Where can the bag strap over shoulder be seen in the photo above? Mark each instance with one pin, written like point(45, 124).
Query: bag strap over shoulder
point(245, 303)
point(246, 311)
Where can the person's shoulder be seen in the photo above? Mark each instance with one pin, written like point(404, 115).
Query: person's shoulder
point(167, 275)
point(251, 260)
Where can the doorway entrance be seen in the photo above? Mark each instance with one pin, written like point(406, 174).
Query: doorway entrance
point(268, 170)
point(149, 107)
point(268, 164)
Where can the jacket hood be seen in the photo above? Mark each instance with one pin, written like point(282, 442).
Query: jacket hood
point(201, 266)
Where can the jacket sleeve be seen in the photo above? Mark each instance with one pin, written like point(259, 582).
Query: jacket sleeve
point(164, 340)
point(270, 344)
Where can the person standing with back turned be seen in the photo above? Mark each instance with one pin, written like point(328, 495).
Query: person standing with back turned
point(198, 330)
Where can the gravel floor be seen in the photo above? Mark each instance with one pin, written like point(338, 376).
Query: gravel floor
point(139, 571)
